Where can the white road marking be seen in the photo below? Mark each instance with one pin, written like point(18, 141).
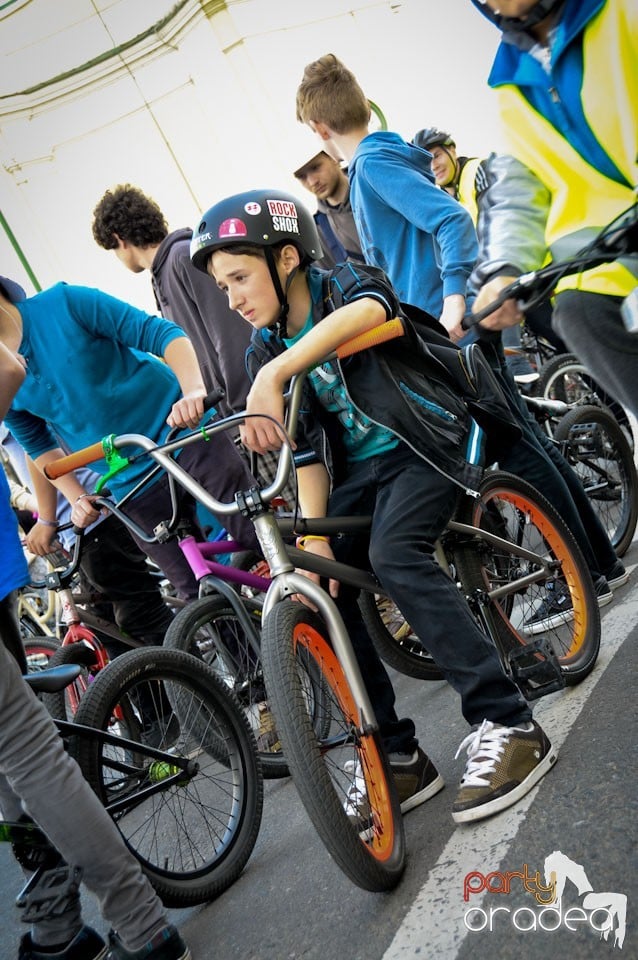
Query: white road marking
point(435, 919)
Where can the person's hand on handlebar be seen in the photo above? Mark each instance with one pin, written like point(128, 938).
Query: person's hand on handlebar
point(507, 315)
point(452, 315)
point(42, 540)
point(188, 411)
point(83, 511)
point(265, 397)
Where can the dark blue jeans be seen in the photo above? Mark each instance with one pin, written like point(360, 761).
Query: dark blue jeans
point(410, 503)
point(115, 566)
point(220, 469)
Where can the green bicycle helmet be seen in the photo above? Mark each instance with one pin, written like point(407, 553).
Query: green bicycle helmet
point(263, 218)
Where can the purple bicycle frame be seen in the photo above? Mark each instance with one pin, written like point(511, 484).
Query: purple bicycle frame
point(198, 556)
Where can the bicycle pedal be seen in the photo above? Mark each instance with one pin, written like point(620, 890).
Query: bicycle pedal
point(49, 896)
point(535, 669)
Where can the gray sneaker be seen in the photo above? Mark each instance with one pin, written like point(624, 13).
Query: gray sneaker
point(503, 764)
point(556, 608)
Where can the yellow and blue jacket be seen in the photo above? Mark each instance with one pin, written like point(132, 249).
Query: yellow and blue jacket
point(571, 141)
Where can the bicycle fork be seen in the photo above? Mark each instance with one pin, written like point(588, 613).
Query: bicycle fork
point(285, 583)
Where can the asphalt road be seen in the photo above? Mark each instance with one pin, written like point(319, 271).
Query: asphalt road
point(293, 903)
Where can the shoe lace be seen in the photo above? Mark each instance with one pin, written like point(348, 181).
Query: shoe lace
point(485, 747)
point(356, 794)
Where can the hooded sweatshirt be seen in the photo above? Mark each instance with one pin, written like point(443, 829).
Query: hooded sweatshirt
point(194, 301)
point(422, 238)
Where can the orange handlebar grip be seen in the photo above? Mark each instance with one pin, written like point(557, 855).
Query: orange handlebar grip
point(58, 468)
point(385, 331)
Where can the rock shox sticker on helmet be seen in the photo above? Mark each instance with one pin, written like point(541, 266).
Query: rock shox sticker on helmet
point(284, 216)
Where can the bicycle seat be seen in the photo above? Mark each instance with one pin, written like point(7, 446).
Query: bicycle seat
point(552, 408)
point(53, 679)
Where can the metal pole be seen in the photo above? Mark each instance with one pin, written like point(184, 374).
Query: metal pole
point(18, 249)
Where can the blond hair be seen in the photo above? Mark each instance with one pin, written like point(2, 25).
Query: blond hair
point(329, 93)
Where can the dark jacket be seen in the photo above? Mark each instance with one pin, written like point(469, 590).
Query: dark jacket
point(415, 386)
point(195, 302)
point(338, 233)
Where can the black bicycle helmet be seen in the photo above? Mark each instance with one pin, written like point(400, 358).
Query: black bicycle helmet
point(538, 12)
point(260, 217)
point(432, 137)
point(263, 218)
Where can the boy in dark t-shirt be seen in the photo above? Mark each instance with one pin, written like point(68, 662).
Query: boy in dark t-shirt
point(378, 438)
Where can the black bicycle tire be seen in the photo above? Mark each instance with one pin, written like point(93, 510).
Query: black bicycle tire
point(239, 774)
point(406, 654)
point(563, 362)
point(180, 636)
point(308, 757)
point(473, 576)
point(622, 536)
point(78, 653)
point(40, 643)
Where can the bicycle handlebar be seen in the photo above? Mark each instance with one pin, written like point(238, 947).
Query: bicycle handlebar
point(73, 461)
point(371, 338)
point(85, 456)
point(161, 453)
point(617, 238)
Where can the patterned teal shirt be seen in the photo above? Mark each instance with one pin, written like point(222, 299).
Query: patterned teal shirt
point(363, 438)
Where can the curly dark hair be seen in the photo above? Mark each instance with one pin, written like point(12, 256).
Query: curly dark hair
point(130, 214)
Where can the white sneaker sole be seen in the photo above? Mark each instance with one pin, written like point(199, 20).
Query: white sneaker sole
point(605, 599)
point(418, 798)
point(508, 799)
point(557, 620)
point(619, 581)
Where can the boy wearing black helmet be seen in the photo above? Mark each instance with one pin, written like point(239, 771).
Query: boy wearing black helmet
point(374, 432)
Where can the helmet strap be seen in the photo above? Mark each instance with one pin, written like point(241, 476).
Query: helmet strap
point(282, 294)
point(454, 182)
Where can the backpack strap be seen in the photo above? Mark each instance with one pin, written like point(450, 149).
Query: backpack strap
point(346, 282)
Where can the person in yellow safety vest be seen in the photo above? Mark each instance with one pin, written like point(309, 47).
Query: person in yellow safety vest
point(465, 179)
point(567, 87)
point(462, 177)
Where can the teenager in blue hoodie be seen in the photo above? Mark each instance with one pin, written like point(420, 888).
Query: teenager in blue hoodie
point(417, 234)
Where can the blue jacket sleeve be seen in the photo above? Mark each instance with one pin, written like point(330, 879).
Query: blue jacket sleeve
point(106, 316)
point(31, 432)
point(432, 211)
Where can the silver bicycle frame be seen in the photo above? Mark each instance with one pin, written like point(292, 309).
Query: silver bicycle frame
point(285, 581)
